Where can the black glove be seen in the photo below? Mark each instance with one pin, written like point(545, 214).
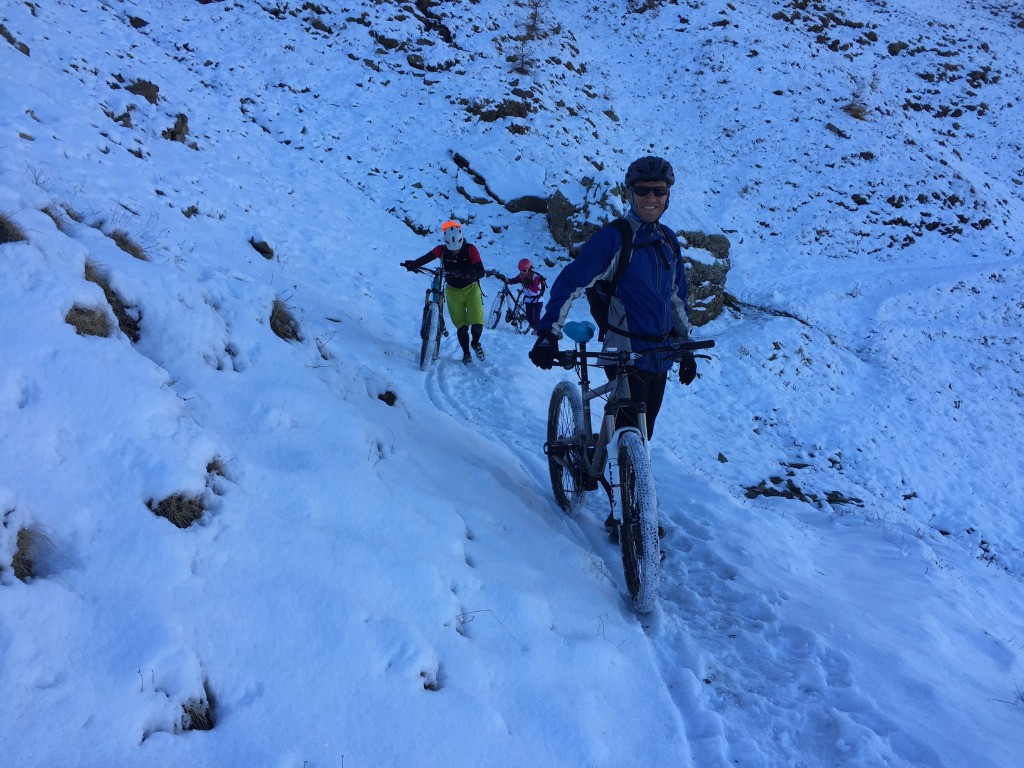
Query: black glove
point(543, 353)
point(409, 265)
point(687, 368)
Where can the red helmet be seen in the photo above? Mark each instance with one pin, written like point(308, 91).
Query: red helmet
point(525, 265)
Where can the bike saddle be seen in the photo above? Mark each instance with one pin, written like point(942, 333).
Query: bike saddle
point(580, 332)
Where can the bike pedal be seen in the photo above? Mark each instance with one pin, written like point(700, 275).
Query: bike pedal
point(612, 526)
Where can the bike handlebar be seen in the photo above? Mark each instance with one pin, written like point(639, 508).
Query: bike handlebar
point(429, 271)
point(570, 357)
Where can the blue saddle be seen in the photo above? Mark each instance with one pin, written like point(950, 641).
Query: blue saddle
point(580, 332)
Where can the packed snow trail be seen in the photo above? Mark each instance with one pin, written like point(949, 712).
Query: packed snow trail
point(735, 655)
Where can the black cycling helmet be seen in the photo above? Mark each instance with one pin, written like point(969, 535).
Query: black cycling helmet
point(650, 168)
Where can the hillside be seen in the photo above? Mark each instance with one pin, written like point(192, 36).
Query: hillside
point(377, 574)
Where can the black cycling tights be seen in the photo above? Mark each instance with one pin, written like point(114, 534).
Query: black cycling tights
point(463, 334)
point(646, 387)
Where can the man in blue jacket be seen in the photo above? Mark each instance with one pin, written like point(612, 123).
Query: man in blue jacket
point(648, 306)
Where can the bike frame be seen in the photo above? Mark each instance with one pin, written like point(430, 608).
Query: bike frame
point(597, 448)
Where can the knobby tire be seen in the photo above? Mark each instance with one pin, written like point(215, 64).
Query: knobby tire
point(494, 317)
point(565, 442)
point(641, 546)
point(430, 333)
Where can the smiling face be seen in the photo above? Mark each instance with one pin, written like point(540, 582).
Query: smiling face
point(650, 199)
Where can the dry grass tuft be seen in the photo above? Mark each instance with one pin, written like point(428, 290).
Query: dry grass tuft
point(128, 316)
point(9, 231)
point(197, 714)
point(283, 322)
point(857, 110)
point(126, 243)
point(89, 321)
point(217, 466)
point(57, 217)
point(179, 509)
point(24, 562)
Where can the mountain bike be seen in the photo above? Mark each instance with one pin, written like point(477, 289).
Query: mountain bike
point(619, 459)
point(432, 327)
point(513, 306)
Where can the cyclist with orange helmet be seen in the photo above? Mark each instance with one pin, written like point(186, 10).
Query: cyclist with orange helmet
point(462, 272)
point(534, 286)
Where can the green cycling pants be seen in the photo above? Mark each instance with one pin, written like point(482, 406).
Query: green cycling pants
point(465, 305)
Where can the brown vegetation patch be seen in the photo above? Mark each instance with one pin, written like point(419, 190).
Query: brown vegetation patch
point(283, 322)
point(9, 231)
point(23, 563)
point(88, 321)
point(197, 714)
point(180, 509)
point(126, 243)
point(128, 317)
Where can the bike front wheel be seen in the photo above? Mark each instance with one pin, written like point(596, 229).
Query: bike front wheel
point(494, 316)
point(565, 446)
point(430, 333)
point(641, 546)
point(520, 323)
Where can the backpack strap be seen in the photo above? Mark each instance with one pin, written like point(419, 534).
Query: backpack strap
point(625, 253)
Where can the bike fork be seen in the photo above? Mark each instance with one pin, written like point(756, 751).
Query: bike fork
point(610, 484)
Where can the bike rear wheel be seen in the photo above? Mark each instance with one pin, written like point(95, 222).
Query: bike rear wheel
point(564, 447)
point(494, 316)
point(430, 333)
point(641, 546)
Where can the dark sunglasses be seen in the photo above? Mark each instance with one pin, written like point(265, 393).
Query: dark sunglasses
point(642, 191)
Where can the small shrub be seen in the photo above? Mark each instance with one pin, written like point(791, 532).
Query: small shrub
point(9, 231)
point(389, 397)
point(283, 322)
point(89, 321)
point(857, 110)
point(179, 509)
point(125, 242)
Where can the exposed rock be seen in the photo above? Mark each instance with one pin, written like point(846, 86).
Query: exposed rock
point(179, 131)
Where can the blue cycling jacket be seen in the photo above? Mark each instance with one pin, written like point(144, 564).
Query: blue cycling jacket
point(650, 299)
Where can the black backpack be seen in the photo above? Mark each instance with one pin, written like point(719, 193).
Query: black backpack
point(600, 294)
